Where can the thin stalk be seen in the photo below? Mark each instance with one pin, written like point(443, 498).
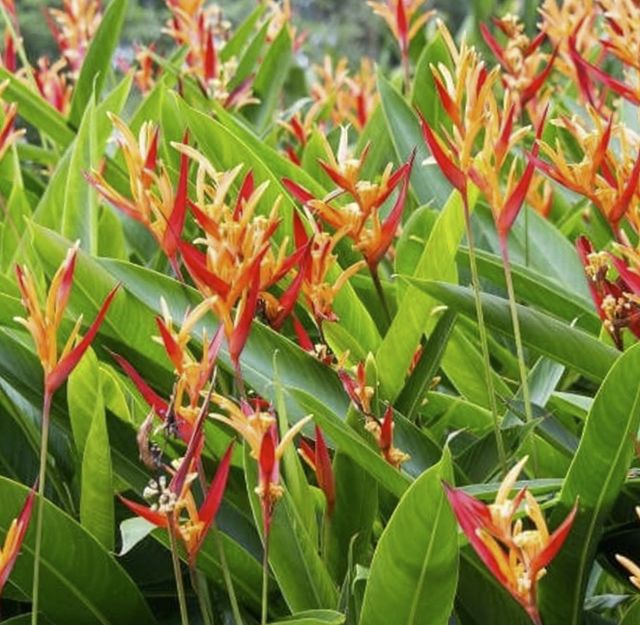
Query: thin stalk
point(482, 329)
point(184, 614)
point(406, 70)
point(522, 366)
point(265, 581)
point(199, 586)
point(42, 476)
point(375, 276)
point(226, 574)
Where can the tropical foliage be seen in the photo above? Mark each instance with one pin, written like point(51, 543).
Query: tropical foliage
point(321, 345)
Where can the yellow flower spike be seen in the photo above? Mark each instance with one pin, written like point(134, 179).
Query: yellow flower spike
point(633, 569)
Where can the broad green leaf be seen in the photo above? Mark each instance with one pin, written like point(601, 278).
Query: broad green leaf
point(241, 34)
point(80, 581)
point(350, 526)
point(97, 62)
point(16, 209)
point(88, 423)
point(424, 87)
point(313, 617)
point(428, 183)
point(539, 290)
point(80, 207)
point(414, 571)
point(541, 333)
point(631, 616)
point(303, 579)
point(595, 478)
point(422, 376)
point(349, 442)
point(270, 78)
point(535, 242)
point(36, 110)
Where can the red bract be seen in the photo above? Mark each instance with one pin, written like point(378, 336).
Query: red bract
point(44, 325)
point(316, 455)
point(515, 556)
point(14, 538)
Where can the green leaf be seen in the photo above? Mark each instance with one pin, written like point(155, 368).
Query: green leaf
point(270, 79)
point(419, 381)
point(35, 110)
point(302, 577)
point(80, 581)
point(541, 333)
point(88, 423)
point(539, 290)
point(595, 478)
point(313, 617)
point(97, 62)
point(414, 571)
point(428, 184)
point(241, 34)
point(632, 615)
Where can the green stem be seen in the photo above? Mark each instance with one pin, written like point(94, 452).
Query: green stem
point(375, 276)
point(199, 585)
point(42, 476)
point(265, 582)
point(184, 614)
point(226, 574)
point(482, 329)
point(522, 366)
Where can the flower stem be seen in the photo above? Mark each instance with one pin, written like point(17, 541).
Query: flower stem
point(42, 476)
point(265, 581)
point(482, 329)
point(375, 276)
point(226, 574)
point(522, 366)
point(199, 585)
point(184, 613)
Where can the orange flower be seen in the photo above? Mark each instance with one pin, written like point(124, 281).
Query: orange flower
point(153, 200)
point(53, 85)
point(606, 176)
point(622, 28)
point(44, 324)
point(73, 27)
point(517, 557)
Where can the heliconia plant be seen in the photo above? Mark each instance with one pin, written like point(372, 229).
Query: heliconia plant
point(306, 319)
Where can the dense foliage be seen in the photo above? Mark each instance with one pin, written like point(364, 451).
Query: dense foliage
point(327, 344)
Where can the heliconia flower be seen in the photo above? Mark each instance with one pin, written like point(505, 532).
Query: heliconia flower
point(465, 95)
point(145, 75)
point(515, 556)
point(44, 324)
point(607, 176)
point(201, 30)
point(630, 565)
point(540, 195)
point(153, 202)
point(499, 140)
point(316, 455)
point(569, 27)
point(404, 18)
point(8, 134)
point(73, 27)
point(383, 433)
point(176, 508)
point(359, 392)
point(621, 20)
point(617, 301)
point(360, 218)
point(521, 59)
point(271, 451)
point(281, 16)
point(9, 58)
point(13, 539)
point(344, 97)
point(53, 85)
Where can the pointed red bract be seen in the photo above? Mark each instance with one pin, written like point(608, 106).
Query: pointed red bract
point(157, 518)
point(556, 540)
point(22, 522)
point(65, 366)
point(245, 193)
point(297, 191)
point(452, 173)
point(175, 226)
